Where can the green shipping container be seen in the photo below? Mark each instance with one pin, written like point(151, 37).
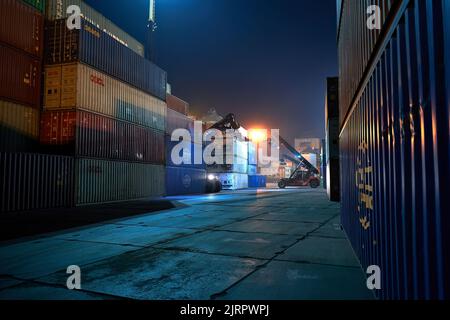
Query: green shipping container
point(38, 4)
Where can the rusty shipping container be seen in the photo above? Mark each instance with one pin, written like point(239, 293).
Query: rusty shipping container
point(20, 77)
point(78, 86)
point(22, 27)
point(19, 127)
point(34, 181)
point(101, 181)
point(177, 104)
point(57, 9)
point(394, 145)
point(96, 48)
point(86, 134)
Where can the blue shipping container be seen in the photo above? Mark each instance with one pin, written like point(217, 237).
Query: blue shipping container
point(182, 181)
point(394, 147)
point(257, 181)
point(96, 48)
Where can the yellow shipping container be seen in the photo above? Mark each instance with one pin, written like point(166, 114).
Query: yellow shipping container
point(19, 118)
point(78, 86)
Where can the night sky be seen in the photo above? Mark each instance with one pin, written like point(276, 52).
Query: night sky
point(264, 60)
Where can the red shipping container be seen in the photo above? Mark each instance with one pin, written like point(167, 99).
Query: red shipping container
point(58, 128)
point(177, 104)
point(22, 26)
point(20, 77)
point(95, 136)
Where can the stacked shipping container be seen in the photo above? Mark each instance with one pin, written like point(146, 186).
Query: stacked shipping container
point(27, 181)
point(35, 181)
point(96, 48)
point(394, 142)
point(104, 111)
point(21, 47)
point(332, 139)
point(185, 178)
point(104, 105)
point(255, 180)
point(57, 9)
point(233, 176)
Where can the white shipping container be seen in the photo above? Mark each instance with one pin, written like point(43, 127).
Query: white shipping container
point(57, 9)
point(233, 181)
point(78, 86)
point(239, 150)
point(100, 181)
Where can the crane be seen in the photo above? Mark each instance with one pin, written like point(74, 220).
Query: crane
point(227, 123)
point(299, 177)
point(303, 162)
point(151, 27)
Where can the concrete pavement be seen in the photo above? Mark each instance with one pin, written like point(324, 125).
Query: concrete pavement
point(266, 244)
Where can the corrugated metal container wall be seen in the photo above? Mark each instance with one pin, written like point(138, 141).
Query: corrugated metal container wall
point(78, 86)
point(182, 181)
point(257, 181)
point(96, 48)
point(22, 27)
point(101, 181)
point(395, 145)
point(332, 139)
point(38, 4)
point(33, 181)
point(19, 127)
point(324, 164)
point(176, 120)
point(177, 104)
point(233, 181)
point(95, 136)
point(356, 44)
point(57, 9)
point(20, 77)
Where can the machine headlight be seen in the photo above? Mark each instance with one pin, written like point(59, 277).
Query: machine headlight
point(211, 177)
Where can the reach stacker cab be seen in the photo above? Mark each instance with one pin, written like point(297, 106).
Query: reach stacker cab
point(300, 178)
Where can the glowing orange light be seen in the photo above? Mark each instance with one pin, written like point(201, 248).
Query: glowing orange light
point(257, 135)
